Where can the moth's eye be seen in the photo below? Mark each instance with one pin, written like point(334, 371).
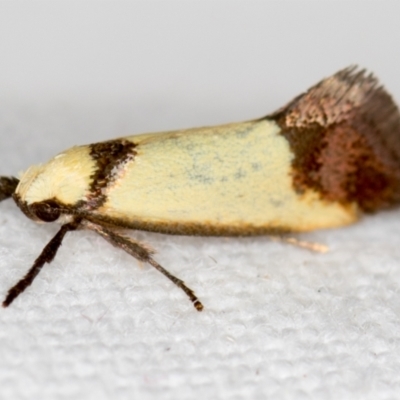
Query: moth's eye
point(47, 211)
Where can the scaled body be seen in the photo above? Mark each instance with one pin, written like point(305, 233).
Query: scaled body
point(319, 162)
point(227, 180)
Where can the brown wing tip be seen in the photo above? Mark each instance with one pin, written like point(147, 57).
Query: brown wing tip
point(338, 97)
point(345, 136)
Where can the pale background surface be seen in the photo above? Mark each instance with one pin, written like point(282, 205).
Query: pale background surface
point(279, 322)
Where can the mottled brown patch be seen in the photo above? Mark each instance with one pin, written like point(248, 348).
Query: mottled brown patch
point(345, 136)
point(110, 157)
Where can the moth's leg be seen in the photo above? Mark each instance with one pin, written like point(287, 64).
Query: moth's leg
point(141, 253)
point(8, 184)
point(47, 255)
point(317, 247)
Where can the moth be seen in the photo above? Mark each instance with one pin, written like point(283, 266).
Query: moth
point(321, 161)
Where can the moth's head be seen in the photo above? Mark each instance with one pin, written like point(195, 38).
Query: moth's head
point(49, 192)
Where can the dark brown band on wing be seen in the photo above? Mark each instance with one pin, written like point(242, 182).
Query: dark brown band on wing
point(345, 136)
point(110, 158)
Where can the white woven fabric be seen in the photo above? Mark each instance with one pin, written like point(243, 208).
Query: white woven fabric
point(279, 322)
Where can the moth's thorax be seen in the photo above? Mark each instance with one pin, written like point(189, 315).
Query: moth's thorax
point(65, 178)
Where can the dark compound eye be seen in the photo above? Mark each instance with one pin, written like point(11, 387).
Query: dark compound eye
point(47, 211)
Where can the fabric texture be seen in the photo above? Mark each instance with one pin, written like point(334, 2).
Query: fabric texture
point(279, 321)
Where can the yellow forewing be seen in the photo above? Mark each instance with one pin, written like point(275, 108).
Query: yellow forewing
point(232, 176)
